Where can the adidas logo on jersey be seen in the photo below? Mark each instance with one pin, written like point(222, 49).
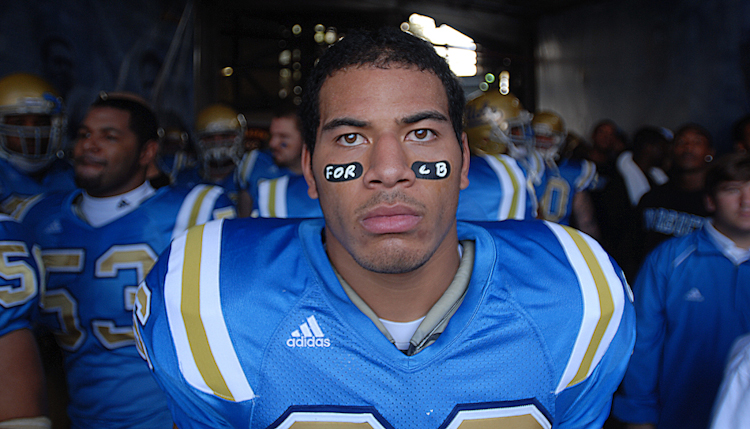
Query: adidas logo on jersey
point(309, 334)
point(53, 228)
point(694, 295)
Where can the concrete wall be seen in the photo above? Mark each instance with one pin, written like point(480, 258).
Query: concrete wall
point(640, 62)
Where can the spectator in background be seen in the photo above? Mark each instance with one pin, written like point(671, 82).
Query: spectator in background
point(271, 182)
point(32, 130)
point(692, 302)
point(607, 142)
point(638, 170)
point(677, 207)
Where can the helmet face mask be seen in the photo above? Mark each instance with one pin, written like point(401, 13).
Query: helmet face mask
point(497, 123)
point(549, 134)
point(220, 134)
point(32, 122)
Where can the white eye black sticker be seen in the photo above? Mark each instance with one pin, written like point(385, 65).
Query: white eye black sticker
point(431, 170)
point(343, 172)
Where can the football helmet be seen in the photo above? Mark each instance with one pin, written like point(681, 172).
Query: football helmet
point(32, 122)
point(220, 131)
point(497, 123)
point(549, 134)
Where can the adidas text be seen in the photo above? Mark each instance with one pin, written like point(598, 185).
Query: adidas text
point(308, 342)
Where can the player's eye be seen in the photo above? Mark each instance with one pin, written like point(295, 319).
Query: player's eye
point(421, 135)
point(351, 139)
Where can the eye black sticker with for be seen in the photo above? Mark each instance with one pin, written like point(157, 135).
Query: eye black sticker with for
point(343, 172)
point(431, 170)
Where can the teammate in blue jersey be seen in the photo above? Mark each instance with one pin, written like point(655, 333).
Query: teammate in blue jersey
point(283, 158)
point(286, 197)
point(32, 127)
point(98, 243)
point(562, 185)
point(388, 312)
point(692, 302)
point(22, 396)
point(220, 132)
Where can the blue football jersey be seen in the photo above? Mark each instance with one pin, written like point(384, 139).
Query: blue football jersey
point(16, 186)
point(190, 177)
point(498, 190)
point(20, 269)
point(556, 188)
point(286, 197)
point(255, 166)
point(246, 326)
point(91, 278)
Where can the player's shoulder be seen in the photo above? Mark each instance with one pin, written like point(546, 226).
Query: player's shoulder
point(35, 207)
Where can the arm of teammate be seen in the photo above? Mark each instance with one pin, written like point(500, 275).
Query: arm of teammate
point(22, 394)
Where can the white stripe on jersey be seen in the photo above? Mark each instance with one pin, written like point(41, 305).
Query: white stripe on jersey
point(603, 302)
point(208, 360)
point(272, 196)
point(196, 208)
point(513, 204)
point(587, 176)
point(243, 172)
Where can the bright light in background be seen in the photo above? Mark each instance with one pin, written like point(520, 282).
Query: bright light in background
point(458, 49)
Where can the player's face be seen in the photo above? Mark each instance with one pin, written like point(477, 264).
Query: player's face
point(106, 154)
point(285, 142)
point(731, 207)
point(690, 150)
point(387, 220)
point(28, 144)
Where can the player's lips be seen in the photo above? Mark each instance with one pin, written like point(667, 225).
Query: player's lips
point(90, 161)
point(390, 219)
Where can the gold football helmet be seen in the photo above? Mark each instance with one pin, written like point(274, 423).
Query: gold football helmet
point(32, 122)
point(549, 134)
point(220, 131)
point(497, 123)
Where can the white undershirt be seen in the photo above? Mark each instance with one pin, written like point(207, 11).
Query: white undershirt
point(101, 211)
point(401, 332)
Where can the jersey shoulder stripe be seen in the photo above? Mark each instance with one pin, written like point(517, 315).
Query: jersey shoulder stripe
point(272, 197)
point(246, 169)
point(511, 177)
point(197, 207)
point(587, 177)
point(603, 302)
point(192, 298)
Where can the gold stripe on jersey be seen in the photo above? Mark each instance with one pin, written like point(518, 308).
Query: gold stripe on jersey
point(192, 298)
point(516, 191)
point(603, 302)
point(191, 305)
point(19, 207)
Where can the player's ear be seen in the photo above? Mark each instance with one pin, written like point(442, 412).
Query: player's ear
point(312, 188)
point(465, 157)
point(148, 152)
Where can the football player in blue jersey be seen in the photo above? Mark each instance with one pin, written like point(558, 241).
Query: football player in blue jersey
point(500, 186)
point(271, 181)
point(22, 396)
point(97, 244)
point(692, 302)
point(32, 128)
point(387, 313)
point(563, 184)
point(220, 132)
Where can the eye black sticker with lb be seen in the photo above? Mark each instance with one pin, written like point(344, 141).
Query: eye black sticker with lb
point(431, 170)
point(343, 172)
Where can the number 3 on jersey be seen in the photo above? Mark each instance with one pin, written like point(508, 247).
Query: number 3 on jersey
point(139, 257)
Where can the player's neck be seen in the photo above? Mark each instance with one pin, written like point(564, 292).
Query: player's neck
point(403, 297)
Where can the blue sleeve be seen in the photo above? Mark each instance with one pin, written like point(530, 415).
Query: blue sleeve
point(638, 401)
point(587, 404)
